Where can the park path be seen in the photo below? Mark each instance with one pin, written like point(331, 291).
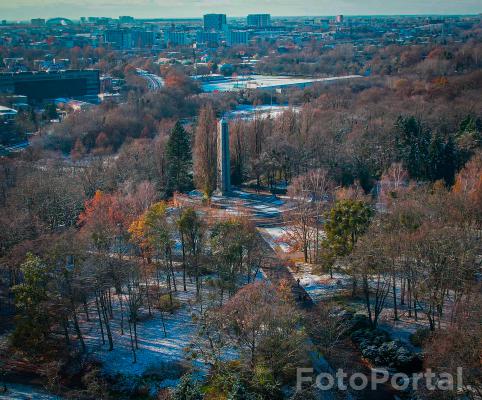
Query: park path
point(276, 270)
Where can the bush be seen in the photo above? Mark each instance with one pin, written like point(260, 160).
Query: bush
point(420, 336)
point(239, 391)
point(359, 322)
point(370, 337)
point(164, 304)
point(306, 394)
point(188, 389)
point(125, 384)
point(94, 383)
point(265, 384)
point(164, 370)
point(377, 346)
point(232, 382)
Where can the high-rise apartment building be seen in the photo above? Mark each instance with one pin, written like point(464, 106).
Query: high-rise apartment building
point(118, 38)
point(142, 39)
point(238, 38)
point(259, 20)
point(209, 38)
point(215, 22)
point(175, 38)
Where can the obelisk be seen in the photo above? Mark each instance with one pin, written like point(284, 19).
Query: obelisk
point(224, 169)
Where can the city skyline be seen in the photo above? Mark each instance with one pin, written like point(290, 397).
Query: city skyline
point(26, 9)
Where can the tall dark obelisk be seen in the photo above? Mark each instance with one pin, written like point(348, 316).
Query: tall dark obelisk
point(224, 169)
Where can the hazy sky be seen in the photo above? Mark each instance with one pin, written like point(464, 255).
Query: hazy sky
point(26, 9)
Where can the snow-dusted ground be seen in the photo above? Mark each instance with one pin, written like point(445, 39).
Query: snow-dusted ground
point(157, 355)
point(245, 204)
point(155, 351)
point(276, 238)
point(320, 286)
point(265, 82)
point(25, 392)
point(323, 287)
point(401, 330)
point(248, 112)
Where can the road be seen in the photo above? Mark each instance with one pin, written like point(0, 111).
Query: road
point(17, 147)
point(154, 82)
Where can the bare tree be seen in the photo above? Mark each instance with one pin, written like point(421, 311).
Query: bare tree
point(205, 151)
point(309, 194)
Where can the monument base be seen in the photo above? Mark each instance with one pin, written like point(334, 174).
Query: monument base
point(221, 193)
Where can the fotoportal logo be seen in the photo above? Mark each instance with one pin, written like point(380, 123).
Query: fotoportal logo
point(378, 377)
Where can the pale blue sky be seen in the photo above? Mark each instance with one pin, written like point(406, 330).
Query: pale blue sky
point(26, 9)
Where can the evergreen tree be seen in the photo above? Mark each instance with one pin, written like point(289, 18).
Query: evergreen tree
point(450, 162)
point(435, 158)
point(469, 138)
point(345, 223)
point(32, 321)
point(442, 160)
point(412, 142)
point(50, 112)
point(188, 389)
point(179, 160)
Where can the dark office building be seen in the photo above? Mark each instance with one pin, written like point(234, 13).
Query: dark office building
point(37, 21)
point(126, 19)
point(238, 38)
point(8, 132)
point(118, 38)
point(210, 38)
point(125, 39)
point(40, 86)
point(259, 20)
point(141, 39)
point(215, 22)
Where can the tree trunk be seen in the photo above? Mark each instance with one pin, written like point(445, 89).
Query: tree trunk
point(77, 327)
point(197, 280)
point(183, 262)
point(163, 324)
point(65, 325)
point(100, 319)
point(121, 302)
point(366, 291)
point(353, 289)
point(168, 276)
point(103, 305)
point(409, 297)
point(394, 289)
point(132, 344)
point(172, 270)
point(415, 307)
point(135, 334)
point(86, 309)
point(147, 296)
point(111, 311)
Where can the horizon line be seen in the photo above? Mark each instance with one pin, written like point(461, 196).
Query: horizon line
point(77, 18)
